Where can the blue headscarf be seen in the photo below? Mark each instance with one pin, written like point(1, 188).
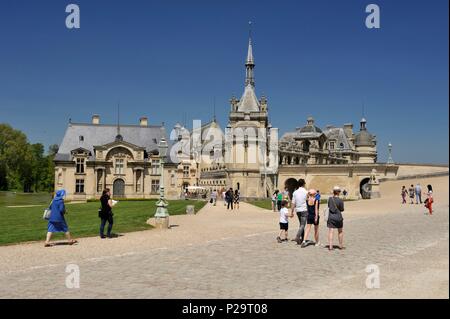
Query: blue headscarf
point(60, 195)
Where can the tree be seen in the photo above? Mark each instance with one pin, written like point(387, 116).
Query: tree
point(23, 165)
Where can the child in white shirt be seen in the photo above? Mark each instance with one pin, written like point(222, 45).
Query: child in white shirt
point(284, 223)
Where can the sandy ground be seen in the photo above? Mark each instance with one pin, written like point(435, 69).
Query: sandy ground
point(424, 270)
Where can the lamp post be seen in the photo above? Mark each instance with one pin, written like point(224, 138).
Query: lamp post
point(390, 160)
point(162, 214)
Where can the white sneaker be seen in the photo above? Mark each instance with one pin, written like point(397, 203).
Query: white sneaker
point(318, 244)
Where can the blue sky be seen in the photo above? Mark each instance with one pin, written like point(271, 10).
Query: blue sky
point(164, 59)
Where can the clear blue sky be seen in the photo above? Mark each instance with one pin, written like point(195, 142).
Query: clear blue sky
point(164, 58)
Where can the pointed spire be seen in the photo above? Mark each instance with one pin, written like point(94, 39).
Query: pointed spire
point(250, 63)
point(250, 59)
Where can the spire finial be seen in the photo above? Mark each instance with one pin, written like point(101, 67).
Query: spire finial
point(118, 136)
point(363, 108)
point(250, 30)
point(214, 109)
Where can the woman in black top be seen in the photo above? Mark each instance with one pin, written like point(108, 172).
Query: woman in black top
point(106, 214)
point(236, 199)
point(335, 219)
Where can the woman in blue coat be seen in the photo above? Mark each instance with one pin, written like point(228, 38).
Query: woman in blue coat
point(57, 222)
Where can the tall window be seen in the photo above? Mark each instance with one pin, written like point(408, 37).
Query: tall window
point(331, 145)
point(138, 181)
point(80, 165)
point(119, 165)
point(79, 186)
point(155, 167)
point(155, 186)
point(99, 181)
point(185, 171)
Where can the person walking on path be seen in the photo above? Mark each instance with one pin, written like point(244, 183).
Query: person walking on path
point(299, 205)
point(286, 197)
point(224, 197)
point(418, 190)
point(411, 192)
point(57, 222)
point(404, 193)
point(313, 218)
point(106, 214)
point(279, 200)
point(429, 201)
point(214, 197)
point(284, 222)
point(229, 198)
point(236, 198)
point(335, 219)
point(274, 201)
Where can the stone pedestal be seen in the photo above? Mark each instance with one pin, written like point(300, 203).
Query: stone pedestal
point(375, 190)
point(162, 222)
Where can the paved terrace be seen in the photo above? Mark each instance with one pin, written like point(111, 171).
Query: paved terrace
point(220, 254)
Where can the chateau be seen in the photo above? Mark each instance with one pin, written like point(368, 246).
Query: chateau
point(247, 156)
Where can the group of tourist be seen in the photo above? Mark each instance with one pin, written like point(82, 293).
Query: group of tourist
point(57, 222)
point(230, 197)
point(278, 197)
point(416, 192)
point(305, 204)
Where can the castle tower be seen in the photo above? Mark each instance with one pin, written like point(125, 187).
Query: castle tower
point(247, 136)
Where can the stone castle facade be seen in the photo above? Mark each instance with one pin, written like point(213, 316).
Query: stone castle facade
point(247, 155)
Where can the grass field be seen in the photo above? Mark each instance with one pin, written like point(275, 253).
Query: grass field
point(13, 199)
point(21, 224)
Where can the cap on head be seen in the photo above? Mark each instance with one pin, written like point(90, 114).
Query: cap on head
point(336, 189)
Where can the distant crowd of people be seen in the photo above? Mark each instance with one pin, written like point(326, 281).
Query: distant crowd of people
point(415, 192)
point(230, 197)
point(305, 204)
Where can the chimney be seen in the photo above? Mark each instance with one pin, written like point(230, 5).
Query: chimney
point(95, 119)
point(143, 121)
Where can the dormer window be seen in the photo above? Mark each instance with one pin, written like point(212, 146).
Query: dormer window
point(80, 162)
point(81, 138)
point(331, 145)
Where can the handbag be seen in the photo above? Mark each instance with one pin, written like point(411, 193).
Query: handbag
point(47, 212)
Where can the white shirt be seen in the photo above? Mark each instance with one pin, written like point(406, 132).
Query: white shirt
point(299, 199)
point(284, 213)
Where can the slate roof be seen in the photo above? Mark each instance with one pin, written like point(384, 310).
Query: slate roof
point(86, 136)
point(338, 134)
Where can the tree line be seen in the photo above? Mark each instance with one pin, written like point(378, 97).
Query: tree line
point(25, 166)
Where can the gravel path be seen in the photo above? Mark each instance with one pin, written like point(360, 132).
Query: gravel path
point(220, 254)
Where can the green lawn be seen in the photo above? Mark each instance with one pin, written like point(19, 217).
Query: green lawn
point(21, 224)
point(13, 199)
